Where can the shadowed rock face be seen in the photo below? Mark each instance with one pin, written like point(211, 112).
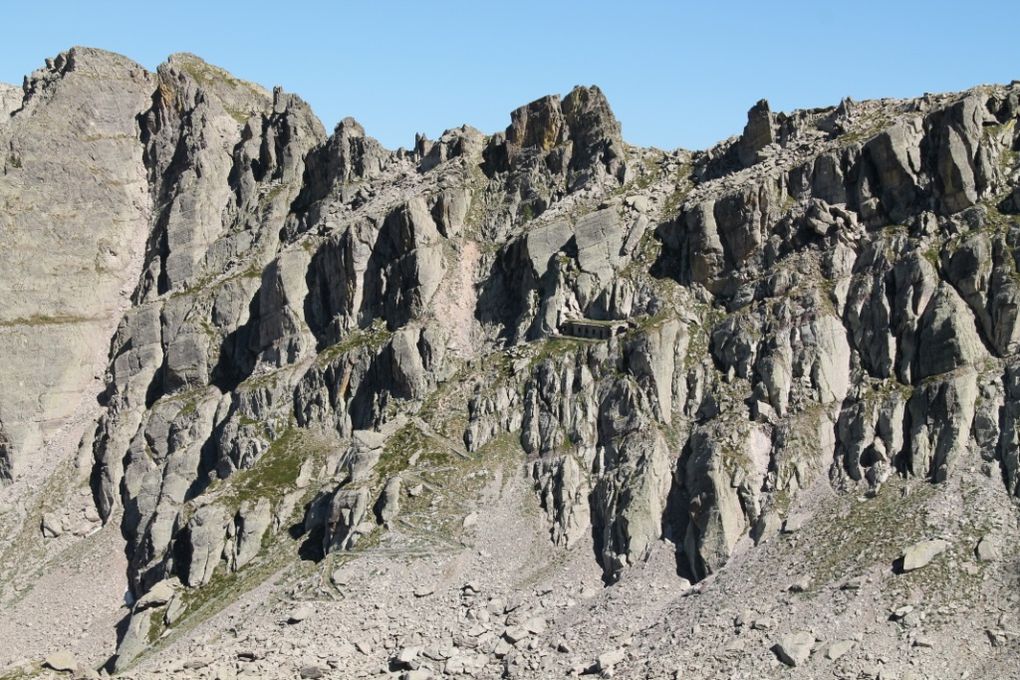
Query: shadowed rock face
point(284, 319)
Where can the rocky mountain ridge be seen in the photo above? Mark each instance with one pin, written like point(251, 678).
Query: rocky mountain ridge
point(256, 352)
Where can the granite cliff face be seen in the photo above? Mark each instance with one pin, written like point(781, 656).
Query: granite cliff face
point(254, 343)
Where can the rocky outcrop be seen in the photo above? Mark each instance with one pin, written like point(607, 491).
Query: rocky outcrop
point(718, 479)
point(553, 147)
point(1009, 438)
point(252, 522)
point(759, 132)
point(345, 511)
point(632, 480)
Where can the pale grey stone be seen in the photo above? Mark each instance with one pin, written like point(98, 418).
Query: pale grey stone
point(795, 649)
point(922, 553)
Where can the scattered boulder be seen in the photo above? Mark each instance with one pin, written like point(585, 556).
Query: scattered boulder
point(515, 634)
point(607, 660)
point(793, 523)
point(417, 674)
point(300, 613)
point(52, 525)
point(795, 649)
point(62, 661)
point(406, 659)
point(158, 595)
point(989, 548)
point(922, 553)
point(469, 664)
point(839, 648)
point(535, 625)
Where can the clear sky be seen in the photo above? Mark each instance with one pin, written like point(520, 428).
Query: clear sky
point(676, 73)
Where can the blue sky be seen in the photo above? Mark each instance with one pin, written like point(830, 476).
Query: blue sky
point(676, 73)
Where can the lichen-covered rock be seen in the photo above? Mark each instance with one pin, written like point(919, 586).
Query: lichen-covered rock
point(922, 553)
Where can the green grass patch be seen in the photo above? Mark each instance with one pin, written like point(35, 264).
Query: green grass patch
point(274, 473)
point(682, 186)
point(45, 320)
point(556, 347)
point(20, 673)
point(870, 531)
point(373, 337)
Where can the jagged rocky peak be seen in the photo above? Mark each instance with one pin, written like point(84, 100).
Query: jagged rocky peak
point(759, 132)
point(184, 73)
point(87, 62)
point(348, 157)
point(205, 124)
point(462, 141)
point(555, 146)
point(583, 117)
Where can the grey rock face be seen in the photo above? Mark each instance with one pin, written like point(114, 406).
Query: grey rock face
point(292, 322)
point(630, 494)
point(941, 414)
point(388, 505)
point(718, 471)
point(205, 537)
point(6, 454)
point(554, 146)
point(252, 522)
point(68, 255)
